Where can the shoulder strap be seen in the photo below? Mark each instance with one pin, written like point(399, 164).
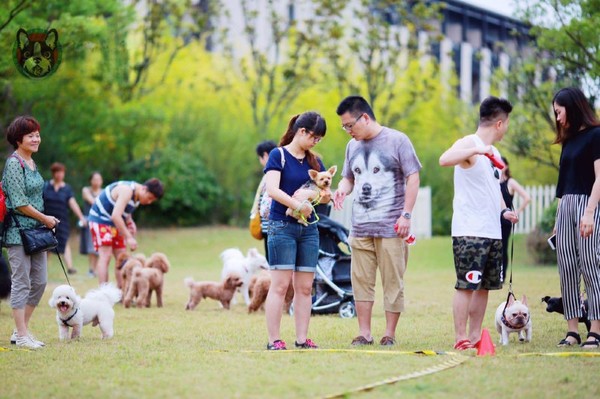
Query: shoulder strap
point(282, 157)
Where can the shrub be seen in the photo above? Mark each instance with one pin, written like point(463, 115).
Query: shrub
point(191, 195)
point(537, 240)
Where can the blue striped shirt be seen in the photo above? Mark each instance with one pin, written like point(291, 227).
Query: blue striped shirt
point(103, 207)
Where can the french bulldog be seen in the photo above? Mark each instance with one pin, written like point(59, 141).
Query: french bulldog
point(555, 304)
point(37, 55)
point(515, 318)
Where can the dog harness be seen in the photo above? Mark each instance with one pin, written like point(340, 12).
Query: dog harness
point(66, 322)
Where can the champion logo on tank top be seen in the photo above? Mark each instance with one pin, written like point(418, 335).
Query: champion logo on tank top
point(473, 276)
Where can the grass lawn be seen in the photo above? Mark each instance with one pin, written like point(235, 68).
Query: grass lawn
point(214, 353)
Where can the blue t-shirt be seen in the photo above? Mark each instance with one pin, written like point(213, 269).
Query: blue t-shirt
point(293, 175)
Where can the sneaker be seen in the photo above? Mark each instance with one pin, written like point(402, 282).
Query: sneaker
point(37, 341)
point(27, 342)
point(72, 271)
point(277, 345)
point(308, 344)
point(14, 336)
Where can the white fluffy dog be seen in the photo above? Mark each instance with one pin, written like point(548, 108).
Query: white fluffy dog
point(74, 312)
point(234, 261)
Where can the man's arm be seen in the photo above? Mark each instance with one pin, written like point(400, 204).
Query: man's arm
point(463, 152)
point(410, 198)
point(344, 188)
point(122, 195)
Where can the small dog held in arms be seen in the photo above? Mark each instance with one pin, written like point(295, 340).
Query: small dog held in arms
point(513, 317)
point(222, 292)
point(74, 312)
point(234, 261)
point(312, 190)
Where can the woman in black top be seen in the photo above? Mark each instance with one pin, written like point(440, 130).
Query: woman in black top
point(509, 187)
point(578, 217)
point(58, 198)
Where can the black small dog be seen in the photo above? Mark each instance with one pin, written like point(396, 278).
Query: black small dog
point(4, 279)
point(555, 304)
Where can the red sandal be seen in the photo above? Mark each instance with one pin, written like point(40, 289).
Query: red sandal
point(463, 345)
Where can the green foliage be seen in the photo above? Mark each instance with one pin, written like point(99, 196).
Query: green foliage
point(537, 240)
point(192, 194)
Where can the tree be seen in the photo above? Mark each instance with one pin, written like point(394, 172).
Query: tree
point(566, 52)
point(273, 71)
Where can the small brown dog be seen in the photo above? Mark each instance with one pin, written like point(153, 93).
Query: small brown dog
point(259, 288)
point(223, 291)
point(146, 279)
point(125, 264)
point(312, 190)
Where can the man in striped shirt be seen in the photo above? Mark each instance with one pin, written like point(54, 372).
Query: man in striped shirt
point(111, 223)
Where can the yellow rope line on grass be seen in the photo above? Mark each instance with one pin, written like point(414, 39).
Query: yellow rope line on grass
point(562, 354)
point(454, 361)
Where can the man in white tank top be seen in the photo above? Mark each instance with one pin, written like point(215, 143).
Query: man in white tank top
point(476, 229)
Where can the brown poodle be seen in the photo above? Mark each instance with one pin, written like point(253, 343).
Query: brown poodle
point(259, 288)
point(223, 291)
point(127, 263)
point(146, 279)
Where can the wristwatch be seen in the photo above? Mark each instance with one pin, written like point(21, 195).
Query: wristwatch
point(406, 215)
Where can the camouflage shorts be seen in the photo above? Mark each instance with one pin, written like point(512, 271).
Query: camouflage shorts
point(478, 263)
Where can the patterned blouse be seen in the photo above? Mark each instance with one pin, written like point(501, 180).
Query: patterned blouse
point(22, 186)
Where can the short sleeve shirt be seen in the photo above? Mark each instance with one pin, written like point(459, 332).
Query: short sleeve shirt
point(22, 186)
point(576, 172)
point(293, 175)
point(378, 168)
point(56, 202)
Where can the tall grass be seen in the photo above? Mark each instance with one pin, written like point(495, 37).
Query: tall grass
point(214, 353)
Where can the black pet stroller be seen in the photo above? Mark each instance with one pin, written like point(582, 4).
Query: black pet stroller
point(332, 288)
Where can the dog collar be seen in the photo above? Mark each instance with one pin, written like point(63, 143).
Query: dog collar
point(66, 322)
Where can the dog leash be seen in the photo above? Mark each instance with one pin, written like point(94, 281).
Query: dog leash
point(510, 266)
point(62, 266)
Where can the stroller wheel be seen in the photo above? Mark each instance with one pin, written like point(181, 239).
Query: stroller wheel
point(347, 310)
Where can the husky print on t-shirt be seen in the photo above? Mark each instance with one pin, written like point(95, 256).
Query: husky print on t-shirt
point(374, 185)
point(378, 168)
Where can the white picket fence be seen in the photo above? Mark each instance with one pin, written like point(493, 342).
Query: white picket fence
point(541, 198)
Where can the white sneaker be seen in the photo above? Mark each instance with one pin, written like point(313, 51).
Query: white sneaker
point(14, 336)
point(27, 342)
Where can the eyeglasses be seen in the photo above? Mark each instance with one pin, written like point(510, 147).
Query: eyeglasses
point(348, 126)
point(315, 138)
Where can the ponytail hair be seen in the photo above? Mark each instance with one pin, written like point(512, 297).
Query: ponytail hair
point(310, 121)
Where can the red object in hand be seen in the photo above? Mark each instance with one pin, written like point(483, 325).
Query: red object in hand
point(410, 239)
point(495, 161)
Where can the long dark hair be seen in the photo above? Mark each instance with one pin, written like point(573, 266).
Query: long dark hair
point(506, 170)
point(578, 110)
point(311, 121)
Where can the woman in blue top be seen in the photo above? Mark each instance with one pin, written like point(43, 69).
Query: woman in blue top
point(23, 186)
point(293, 247)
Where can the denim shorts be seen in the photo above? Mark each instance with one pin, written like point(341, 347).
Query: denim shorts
point(293, 246)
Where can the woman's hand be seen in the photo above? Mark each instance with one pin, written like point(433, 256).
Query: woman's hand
point(586, 224)
point(325, 196)
point(50, 221)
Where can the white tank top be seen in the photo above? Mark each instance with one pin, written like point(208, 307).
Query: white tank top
point(477, 198)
